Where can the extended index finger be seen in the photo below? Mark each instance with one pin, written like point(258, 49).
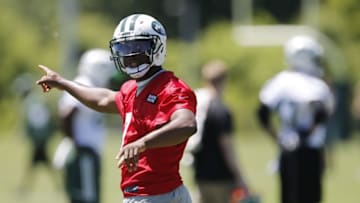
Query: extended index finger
point(44, 68)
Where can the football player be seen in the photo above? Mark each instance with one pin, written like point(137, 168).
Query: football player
point(156, 107)
point(84, 129)
point(303, 101)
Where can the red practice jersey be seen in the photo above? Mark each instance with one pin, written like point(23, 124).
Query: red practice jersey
point(158, 168)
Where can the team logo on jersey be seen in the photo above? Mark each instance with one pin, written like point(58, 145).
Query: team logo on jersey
point(151, 98)
point(131, 189)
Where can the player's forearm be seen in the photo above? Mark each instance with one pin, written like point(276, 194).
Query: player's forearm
point(168, 137)
point(95, 98)
point(175, 132)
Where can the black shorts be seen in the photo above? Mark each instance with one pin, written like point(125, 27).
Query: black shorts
point(39, 156)
point(301, 173)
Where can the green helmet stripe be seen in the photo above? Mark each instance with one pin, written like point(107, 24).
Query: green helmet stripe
point(132, 23)
point(123, 23)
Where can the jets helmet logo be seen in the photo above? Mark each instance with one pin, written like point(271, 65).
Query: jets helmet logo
point(157, 27)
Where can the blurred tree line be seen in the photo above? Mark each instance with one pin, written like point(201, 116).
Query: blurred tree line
point(30, 34)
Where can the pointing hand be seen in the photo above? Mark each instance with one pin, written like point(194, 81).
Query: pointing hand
point(50, 79)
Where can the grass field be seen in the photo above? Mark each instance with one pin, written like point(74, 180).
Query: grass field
point(342, 183)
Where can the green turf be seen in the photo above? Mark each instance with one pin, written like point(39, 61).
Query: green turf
point(254, 149)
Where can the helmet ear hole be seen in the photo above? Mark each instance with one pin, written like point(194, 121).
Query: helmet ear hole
point(157, 46)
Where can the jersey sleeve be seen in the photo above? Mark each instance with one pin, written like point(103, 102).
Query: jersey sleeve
point(122, 96)
point(180, 99)
point(119, 104)
point(174, 99)
point(270, 94)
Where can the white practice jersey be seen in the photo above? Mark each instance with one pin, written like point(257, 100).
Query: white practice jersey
point(88, 125)
point(294, 96)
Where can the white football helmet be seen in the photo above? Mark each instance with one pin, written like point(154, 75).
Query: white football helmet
point(135, 35)
point(304, 54)
point(96, 65)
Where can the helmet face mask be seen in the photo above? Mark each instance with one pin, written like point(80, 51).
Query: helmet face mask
point(141, 35)
point(129, 48)
point(123, 49)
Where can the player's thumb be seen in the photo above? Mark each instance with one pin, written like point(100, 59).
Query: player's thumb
point(120, 161)
point(118, 155)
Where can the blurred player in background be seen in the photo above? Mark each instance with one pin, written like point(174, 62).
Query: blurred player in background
point(304, 103)
point(217, 173)
point(156, 107)
point(39, 127)
point(84, 130)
